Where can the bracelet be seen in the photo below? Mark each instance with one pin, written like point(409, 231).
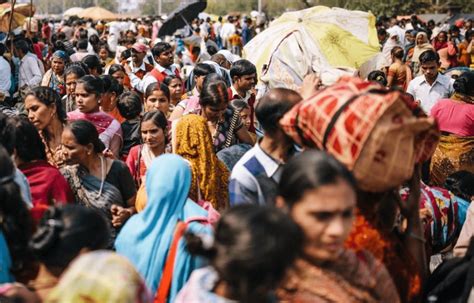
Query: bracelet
point(417, 237)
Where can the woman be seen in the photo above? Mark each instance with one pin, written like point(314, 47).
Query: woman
point(104, 54)
point(72, 74)
point(45, 111)
point(319, 193)
point(446, 50)
point(93, 64)
point(175, 86)
point(146, 238)
point(192, 141)
point(422, 45)
point(90, 275)
point(15, 226)
point(48, 186)
point(112, 92)
point(118, 72)
point(465, 52)
point(63, 234)
point(455, 118)
point(97, 182)
point(157, 97)
point(399, 74)
point(54, 77)
point(89, 91)
point(252, 245)
point(154, 133)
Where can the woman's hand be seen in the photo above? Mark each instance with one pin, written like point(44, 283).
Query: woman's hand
point(120, 215)
point(310, 85)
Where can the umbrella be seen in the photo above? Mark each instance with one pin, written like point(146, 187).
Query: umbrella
point(20, 12)
point(97, 13)
point(73, 11)
point(329, 41)
point(180, 17)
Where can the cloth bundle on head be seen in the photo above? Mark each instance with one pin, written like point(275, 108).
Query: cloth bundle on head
point(374, 132)
point(101, 276)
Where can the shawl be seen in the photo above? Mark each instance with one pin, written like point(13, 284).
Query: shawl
point(55, 82)
point(106, 125)
point(146, 237)
point(100, 276)
point(210, 176)
point(419, 49)
point(351, 278)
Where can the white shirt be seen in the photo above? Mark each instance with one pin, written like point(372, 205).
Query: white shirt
point(227, 30)
point(217, 28)
point(5, 77)
point(429, 95)
point(30, 73)
point(141, 84)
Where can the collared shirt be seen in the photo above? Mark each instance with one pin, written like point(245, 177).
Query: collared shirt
point(5, 77)
point(30, 72)
point(141, 84)
point(136, 69)
point(235, 94)
point(428, 94)
point(255, 178)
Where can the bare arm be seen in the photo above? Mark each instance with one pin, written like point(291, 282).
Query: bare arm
point(244, 136)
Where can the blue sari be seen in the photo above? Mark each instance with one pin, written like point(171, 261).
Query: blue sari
point(5, 261)
point(146, 237)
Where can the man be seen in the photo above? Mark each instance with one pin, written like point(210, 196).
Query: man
point(5, 76)
point(227, 30)
point(164, 57)
point(431, 86)
point(217, 26)
point(255, 177)
point(244, 74)
point(81, 52)
point(31, 70)
point(136, 62)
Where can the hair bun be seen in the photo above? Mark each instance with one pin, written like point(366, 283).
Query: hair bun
point(460, 85)
point(199, 245)
point(48, 232)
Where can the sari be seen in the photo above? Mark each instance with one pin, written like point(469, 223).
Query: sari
point(146, 237)
point(352, 277)
point(100, 276)
point(210, 176)
point(5, 261)
point(106, 125)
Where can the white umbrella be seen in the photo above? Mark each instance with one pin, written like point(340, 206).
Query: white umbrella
point(73, 11)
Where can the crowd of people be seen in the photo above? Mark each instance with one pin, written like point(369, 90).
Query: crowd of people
point(141, 169)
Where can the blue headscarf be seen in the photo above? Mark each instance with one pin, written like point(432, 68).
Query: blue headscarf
point(146, 237)
point(61, 55)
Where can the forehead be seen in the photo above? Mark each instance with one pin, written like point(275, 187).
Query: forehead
point(330, 198)
point(148, 125)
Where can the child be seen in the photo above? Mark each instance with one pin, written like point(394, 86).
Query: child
point(130, 107)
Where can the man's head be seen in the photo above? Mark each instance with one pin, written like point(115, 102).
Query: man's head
point(273, 106)
point(82, 44)
point(163, 54)
point(429, 62)
point(200, 72)
point(243, 74)
point(21, 48)
point(138, 52)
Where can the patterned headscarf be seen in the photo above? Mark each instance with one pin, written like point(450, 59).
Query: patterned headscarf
point(194, 143)
point(61, 55)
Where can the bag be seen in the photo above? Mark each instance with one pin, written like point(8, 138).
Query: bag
point(453, 280)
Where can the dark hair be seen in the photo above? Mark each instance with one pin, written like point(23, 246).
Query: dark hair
point(214, 91)
point(377, 76)
point(253, 246)
point(3, 49)
point(49, 96)
point(116, 68)
point(125, 54)
point(7, 134)
point(93, 62)
point(397, 52)
point(157, 86)
point(129, 105)
point(428, 56)
point(86, 133)
point(310, 170)
point(82, 44)
point(26, 136)
point(111, 85)
point(469, 34)
point(203, 69)
point(464, 84)
point(80, 65)
point(159, 48)
point(242, 68)
point(76, 70)
point(22, 45)
point(461, 184)
point(65, 230)
point(159, 119)
point(92, 84)
point(273, 106)
point(16, 223)
point(170, 78)
point(239, 104)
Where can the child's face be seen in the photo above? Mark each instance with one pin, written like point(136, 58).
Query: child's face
point(245, 116)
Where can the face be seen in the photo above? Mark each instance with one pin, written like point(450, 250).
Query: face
point(214, 113)
point(74, 152)
point(442, 37)
point(325, 214)
point(245, 117)
point(119, 76)
point(157, 101)
point(39, 113)
point(165, 59)
point(420, 39)
point(137, 57)
point(71, 80)
point(246, 82)
point(176, 88)
point(410, 38)
point(430, 70)
point(86, 102)
point(57, 65)
point(103, 54)
point(199, 81)
point(152, 135)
